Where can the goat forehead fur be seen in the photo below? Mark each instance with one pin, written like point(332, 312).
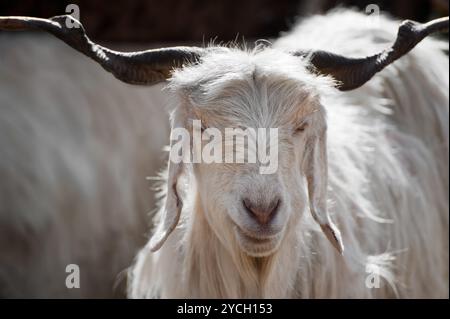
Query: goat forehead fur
point(254, 88)
point(388, 176)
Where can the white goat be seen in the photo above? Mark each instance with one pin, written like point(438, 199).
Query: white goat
point(76, 146)
point(388, 180)
point(224, 230)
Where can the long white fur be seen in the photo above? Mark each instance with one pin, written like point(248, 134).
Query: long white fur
point(76, 146)
point(388, 174)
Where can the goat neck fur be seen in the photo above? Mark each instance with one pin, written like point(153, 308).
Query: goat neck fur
point(387, 186)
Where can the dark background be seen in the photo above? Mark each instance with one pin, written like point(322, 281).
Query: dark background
point(199, 20)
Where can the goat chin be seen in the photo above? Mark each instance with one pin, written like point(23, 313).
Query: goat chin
point(388, 191)
point(257, 247)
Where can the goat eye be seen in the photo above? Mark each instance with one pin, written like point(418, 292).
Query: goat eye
point(301, 128)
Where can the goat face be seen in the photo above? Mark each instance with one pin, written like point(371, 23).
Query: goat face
point(244, 206)
point(241, 204)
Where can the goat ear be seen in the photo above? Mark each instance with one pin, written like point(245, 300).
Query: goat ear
point(316, 172)
point(172, 207)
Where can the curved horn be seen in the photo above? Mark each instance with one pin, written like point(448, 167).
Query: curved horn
point(354, 72)
point(142, 67)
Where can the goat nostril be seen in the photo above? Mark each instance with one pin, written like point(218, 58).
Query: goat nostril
point(276, 206)
point(262, 213)
point(247, 205)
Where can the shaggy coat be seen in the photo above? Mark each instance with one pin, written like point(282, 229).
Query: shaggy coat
point(387, 150)
point(76, 146)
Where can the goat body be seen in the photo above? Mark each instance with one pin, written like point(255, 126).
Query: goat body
point(76, 147)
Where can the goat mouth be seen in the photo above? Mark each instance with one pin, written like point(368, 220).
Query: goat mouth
point(257, 246)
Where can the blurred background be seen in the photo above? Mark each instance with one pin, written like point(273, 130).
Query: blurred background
point(76, 145)
point(198, 20)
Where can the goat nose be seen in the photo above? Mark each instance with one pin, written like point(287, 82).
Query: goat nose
point(263, 213)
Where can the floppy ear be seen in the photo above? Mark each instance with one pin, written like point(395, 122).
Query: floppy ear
point(172, 205)
point(316, 172)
